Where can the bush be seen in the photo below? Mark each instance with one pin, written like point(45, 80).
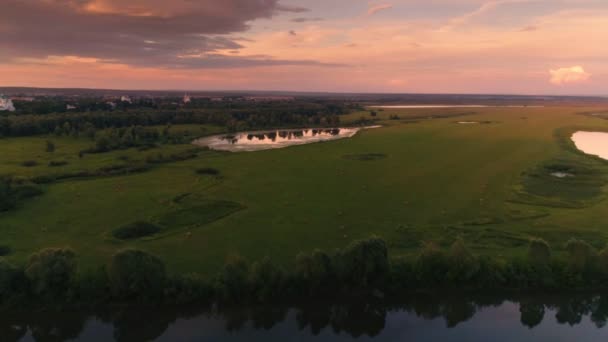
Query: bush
point(29, 163)
point(57, 163)
point(136, 230)
point(539, 253)
point(232, 283)
point(363, 264)
point(5, 250)
point(188, 289)
point(266, 280)
point(51, 271)
point(463, 265)
point(50, 146)
point(431, 265)
point(135, 274)
point(581, 255)
point(313, 273)
point(11, 281)
point(208, 171)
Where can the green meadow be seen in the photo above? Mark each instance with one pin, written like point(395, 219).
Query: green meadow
point(420, 177)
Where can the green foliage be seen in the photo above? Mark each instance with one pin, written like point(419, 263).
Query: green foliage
point(314, 273)
point(363, 264)
point(51, 271)
point(11, 281)
point(582, 256)
point(135, 274)
point(233, 280)
point(266, 280)
point(463, 264)
point(431, 265)
point(539, 253)
point(50, 146)
point(136, 230)
point(208, 171)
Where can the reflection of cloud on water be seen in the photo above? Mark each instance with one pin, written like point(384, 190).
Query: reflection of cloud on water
point(257, 141)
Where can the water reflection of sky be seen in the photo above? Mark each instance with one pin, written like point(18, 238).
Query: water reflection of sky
point(256, 141)
point(594, 143)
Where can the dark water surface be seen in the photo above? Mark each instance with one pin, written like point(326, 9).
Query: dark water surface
point(423, 318)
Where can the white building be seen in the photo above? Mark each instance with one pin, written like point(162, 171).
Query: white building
point(126, 99)
point(6, 104)
point(187, 98)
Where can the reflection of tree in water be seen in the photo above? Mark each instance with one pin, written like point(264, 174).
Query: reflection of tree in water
point(13, 327)
point(315, 317)
point(135, 325)
point(359, 319)
point(267, 317)
point(572, 310)
point(56, 327)
point(532, 312)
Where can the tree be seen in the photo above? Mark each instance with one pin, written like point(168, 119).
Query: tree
point(582, 255)
point(539, 253)
point(135, 274)
point(233, 282)
point(363, 264)
point(51, 271)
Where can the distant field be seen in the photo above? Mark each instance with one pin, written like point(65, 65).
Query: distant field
point(421, 177)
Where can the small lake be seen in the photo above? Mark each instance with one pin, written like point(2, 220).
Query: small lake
point(422, 318)
point(594, 143)
point(273, 139)
point(446, 106)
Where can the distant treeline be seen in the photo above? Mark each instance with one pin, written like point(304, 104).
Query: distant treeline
point(362, 269)
point(233, 116)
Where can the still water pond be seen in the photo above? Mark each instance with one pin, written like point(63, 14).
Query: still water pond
point(594, 143)
point(265, 140)
point(423, 318)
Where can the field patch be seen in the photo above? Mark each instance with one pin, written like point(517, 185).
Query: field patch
point(136, 230)
point(202, 213)
point(545, 186)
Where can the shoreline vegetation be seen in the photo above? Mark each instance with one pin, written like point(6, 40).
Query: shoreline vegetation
point(362, 270)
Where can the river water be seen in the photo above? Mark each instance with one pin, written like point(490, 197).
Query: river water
point(420, 318)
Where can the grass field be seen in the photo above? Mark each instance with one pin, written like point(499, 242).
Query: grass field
point(423, 177)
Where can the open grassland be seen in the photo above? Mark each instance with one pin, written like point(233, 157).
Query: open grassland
point(421, 177)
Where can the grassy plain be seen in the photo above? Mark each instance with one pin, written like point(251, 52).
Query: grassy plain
point(423, 177)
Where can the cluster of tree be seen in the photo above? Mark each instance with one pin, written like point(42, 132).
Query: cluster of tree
point(12, 192)
point(361, 269)
point(233, 116)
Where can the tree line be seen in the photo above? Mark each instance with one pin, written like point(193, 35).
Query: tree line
point(362, 269)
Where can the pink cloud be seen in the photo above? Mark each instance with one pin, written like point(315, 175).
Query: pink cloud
point(563, 76)
point(375, 9)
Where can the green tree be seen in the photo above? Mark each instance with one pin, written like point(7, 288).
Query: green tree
point(539, 253)
point(51, 271)
point(135, 274)
point(233, 284)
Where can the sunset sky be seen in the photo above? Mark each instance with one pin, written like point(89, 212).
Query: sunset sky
point(414, 46)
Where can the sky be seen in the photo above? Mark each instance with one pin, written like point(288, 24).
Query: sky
point(397, 46)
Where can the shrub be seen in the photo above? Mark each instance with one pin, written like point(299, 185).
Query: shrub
point(29, 163)
point(208, 171)
point(51, 271)
point(539, 253)
point(233, 282)
point(314, 273)
point(188, 289)
point(135, 274)
point(266, 280)
point(463, 265)
point(431, 265)
point(363, 264)
point(5, 250)
point(57, 163)
point(136, 230)
point(11, 281)
point(581, 255)
point(50, 146)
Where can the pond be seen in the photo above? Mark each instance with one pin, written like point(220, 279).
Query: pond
point(420, 318)
point(266, 140)
point(594, 143)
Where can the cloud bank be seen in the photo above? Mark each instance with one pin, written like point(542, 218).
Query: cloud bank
point(563, 76)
